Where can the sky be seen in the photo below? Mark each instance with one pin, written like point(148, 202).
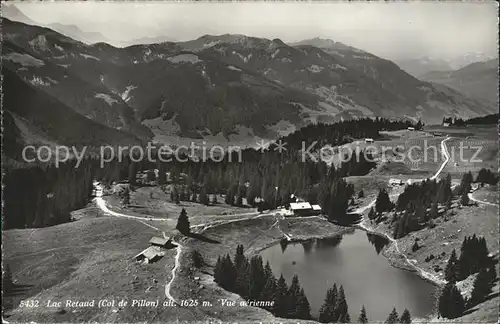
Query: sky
point(393, 30)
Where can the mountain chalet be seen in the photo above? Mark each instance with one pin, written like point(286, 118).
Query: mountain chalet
point(302, 209)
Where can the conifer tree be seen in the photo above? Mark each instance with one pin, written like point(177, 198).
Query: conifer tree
point(326, 311)
point(197, 259)
point(415, 246)
point(383, 202)
point(228, 274)
point(341, 309)
point(257, 277)
point(363, 319)
point(451, 303)
point(464, 199)
point(218, 271)
point(132, 173)
point(150, 176)
point(405, 317)
point(434, 210)
point(303, 307)
point(371, 214)
point(204, 197)
point(451, 272)
point(269, 292)
point(173, 194)
point(229, 197)
point(393, 317)
point(243, 275)
point(239, 257)
point(281, 302)
point(239, 201)
point(482, 286)
point(183, 225)
point(293, 298)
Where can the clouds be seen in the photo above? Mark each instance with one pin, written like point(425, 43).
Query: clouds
point(390, 30)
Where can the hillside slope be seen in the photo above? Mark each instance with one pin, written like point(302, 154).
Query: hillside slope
point(349, 81)
point(224, 85)
point(479, 80)
point(51, 117)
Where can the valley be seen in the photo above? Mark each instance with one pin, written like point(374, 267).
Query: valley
point(249, 163)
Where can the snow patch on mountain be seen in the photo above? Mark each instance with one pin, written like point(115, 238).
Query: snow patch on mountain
point(110, 101)
point(38, 81)
point(59, 48)
point(363, 57)
point(184, 58)
point(211, 44)
point(64, 65)
point(86, 56)
point(273, 55)
point(286, 60)
point(336, 53)
point(243, 58)
point(126, 94)
point(230, 67)
point(337, 67)
point(24, 59)
point(315, 68)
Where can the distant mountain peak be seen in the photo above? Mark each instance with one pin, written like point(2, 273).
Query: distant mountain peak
point(10, 11)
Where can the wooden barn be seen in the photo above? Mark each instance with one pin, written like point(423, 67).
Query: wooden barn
point(160, 242)
point(150, 255)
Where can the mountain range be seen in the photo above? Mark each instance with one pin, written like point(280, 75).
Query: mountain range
point(478, 80)
point(222, 88)
point(419, 67)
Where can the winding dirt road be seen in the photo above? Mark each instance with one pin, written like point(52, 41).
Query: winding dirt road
point(101, 203)
point(394, 242)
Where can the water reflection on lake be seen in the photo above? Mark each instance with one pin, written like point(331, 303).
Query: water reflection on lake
point(354, 261)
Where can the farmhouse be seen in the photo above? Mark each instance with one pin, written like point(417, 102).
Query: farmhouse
point(160, 241)
point(304, 209)
point(368, 140)
point(395, 182)
point(411, 128)
point(150, 255)
point(446, 124)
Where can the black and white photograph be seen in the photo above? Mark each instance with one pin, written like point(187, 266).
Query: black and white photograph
point(250, 162)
